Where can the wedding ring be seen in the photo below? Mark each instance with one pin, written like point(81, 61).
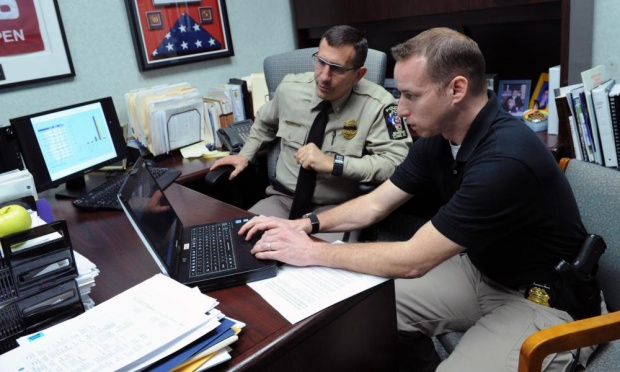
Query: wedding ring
point(301, 162)
point(269, 246)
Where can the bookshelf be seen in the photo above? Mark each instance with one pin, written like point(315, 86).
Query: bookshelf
point(520, 38)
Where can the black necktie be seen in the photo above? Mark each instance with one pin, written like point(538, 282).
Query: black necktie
point(307, 177)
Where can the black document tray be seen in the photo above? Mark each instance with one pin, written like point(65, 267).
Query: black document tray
point(37, 282)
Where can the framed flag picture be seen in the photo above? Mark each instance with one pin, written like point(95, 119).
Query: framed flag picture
point(33, 47)
point(174, 32)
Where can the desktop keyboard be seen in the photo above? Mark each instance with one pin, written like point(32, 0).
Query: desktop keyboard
point(105, 196)
point(211, 249)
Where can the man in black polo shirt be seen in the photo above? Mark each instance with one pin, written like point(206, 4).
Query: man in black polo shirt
point(509, 216)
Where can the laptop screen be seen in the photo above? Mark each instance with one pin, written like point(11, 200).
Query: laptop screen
point(153, 216)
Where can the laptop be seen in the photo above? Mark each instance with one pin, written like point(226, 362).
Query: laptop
point(189, 254)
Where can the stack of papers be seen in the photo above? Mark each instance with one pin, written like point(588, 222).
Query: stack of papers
point(158, 324)
point(201, 150)
point(87, 271)
point(166, 117)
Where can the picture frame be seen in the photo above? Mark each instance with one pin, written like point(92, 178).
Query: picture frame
point(38, 49)
point(514, 96)
point(491, 81)
point(540, 96)
point(173, 32)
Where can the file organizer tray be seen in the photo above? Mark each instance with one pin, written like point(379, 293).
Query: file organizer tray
point(37, 282)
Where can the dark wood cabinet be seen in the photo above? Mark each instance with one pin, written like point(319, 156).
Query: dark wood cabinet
point(519, 38)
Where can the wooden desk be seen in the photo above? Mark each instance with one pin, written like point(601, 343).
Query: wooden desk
point(191, 169)
point(356, 334)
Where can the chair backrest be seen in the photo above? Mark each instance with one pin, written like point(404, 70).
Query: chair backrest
point(597, 190)
point(300, 60)
point(297, 61)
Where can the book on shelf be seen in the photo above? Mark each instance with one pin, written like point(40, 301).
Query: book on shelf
point(600, 101)
point(576, 123)
point(566, 123)
point(583, 120)
point(591, 79)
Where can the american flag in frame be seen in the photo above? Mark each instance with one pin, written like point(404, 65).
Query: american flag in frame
point(173, 32)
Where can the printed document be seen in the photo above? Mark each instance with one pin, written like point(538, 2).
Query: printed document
point(141, 324)
point(298, 292)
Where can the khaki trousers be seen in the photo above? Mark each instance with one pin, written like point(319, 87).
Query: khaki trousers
point(496, 320)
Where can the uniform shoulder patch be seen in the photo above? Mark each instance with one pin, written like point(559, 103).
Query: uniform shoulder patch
point(395, 124)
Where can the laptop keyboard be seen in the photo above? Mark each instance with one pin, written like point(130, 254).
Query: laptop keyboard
point(105, 196)
point(211, 249)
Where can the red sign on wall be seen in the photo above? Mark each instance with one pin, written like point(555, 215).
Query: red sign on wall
point(19, 28)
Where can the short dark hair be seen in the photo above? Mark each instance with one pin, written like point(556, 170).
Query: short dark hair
point(449, 54)
point(347, 35)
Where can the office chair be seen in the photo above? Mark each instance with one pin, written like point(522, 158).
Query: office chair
point(596, 190)
point(298, 61)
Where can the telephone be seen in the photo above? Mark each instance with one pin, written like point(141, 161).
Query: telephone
point(235, 135)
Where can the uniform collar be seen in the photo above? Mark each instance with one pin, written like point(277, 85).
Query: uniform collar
point(337, 105)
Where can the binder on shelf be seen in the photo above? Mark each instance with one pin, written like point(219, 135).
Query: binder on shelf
point(600, 101)
point(591, 79)
point(614, 106)
point(37, 282)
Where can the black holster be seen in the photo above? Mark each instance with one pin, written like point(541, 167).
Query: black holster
point(576, 289)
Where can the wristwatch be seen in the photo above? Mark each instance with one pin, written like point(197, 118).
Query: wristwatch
point(314, 221)
point(338, 165)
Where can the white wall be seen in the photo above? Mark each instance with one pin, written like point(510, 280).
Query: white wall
point(606, 39)
point(102, 50)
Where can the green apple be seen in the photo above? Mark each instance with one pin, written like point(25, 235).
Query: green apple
point(14, 218)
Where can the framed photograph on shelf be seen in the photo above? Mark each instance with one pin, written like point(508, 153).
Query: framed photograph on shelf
point(514, 95)
point(33, 47)
point(540, 97)
point(491, 81)
point(174, 32)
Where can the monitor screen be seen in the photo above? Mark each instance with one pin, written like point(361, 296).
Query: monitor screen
point(62, 145)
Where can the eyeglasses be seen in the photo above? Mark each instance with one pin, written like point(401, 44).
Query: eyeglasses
point(336, 69)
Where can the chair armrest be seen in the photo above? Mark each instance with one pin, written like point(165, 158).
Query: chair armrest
point(216, 176)
point(569, 336)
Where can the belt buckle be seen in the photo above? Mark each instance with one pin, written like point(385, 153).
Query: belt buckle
point(539, 293)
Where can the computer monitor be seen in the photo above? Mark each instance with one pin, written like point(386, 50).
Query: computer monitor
point(62, 145)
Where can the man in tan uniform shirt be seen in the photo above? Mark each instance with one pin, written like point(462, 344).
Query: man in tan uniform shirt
point(364, 138)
